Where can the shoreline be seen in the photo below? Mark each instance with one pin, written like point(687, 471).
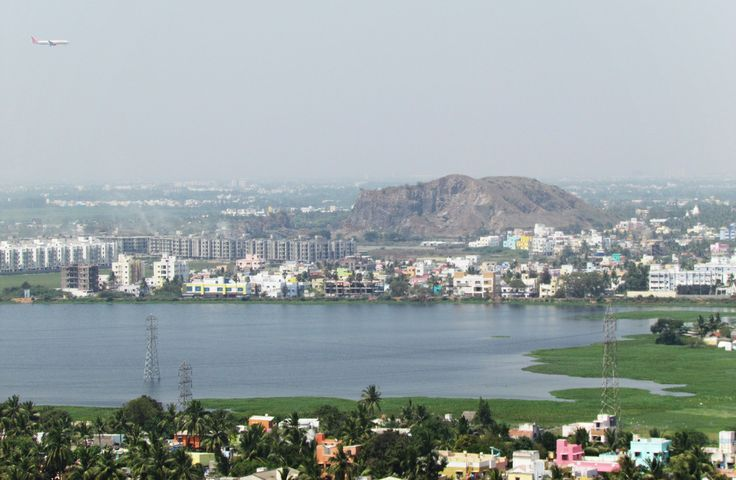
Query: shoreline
point(601, 302)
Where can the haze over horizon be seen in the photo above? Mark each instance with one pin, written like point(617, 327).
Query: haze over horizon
point(378, 90)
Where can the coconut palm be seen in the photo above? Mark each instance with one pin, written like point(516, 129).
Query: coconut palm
point(194, 419)
point(654, 469)
point(149, 461)
point(167, 423)
point(341, 465)
point(556, 473)
point(57, 447)
point(611, 438)
point(216, 438)
point(309, 469)
point(371, 398)
point(250, 441)
point(107, 467)
point(629, 470)
point(11, 413)
point(82, 467)
point(180, 467)
point(99, 427)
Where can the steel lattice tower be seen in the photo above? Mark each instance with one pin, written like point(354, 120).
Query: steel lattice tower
point(609, 396)
point(185, 384)
point(151, 371)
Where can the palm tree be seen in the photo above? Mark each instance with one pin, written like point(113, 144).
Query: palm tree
point(556, 473)
point(99, 427)
point(82, 431)
point(611, 438)
point(149, 461)
point(167, 423)
point(85, 460)
point(581, 437)
point(309, 469)
point(11, 413)
point(654, 469)
point(180, 467)
point(57, 447)
point(689, 465)
point(107, 467)
point(629, 470)
point(216, 437)
point(371, 398)
point(194, 419)
point(119, 423)
point(341, 465)
point(250, 440)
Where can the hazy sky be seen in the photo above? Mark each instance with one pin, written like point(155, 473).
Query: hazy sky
point(182, 90)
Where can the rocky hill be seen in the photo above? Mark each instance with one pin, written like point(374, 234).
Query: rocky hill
point(458, 205)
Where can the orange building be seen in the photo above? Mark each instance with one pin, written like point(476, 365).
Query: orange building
point(266, 421)
point(183, 439)
point(327, 449)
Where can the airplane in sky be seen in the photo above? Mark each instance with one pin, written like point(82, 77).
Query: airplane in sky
point(50, 43)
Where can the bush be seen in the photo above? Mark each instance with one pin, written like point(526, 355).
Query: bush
point(669, 331)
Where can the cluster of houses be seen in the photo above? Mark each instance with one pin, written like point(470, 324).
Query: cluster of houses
point(463, 465)
point(464, 276)
point(553, 257)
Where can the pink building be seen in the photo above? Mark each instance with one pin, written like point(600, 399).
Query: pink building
point(566, 453)
point(572, 455)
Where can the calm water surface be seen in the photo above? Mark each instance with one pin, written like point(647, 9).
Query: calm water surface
point(94, 354)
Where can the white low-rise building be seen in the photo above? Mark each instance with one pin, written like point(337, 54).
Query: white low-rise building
point(168, 269)
point(526, 465)
point(483, 285)
point(487, 241)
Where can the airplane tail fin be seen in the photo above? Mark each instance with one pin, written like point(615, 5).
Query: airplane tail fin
point(34, 39)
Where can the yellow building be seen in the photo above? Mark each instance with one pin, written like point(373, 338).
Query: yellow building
point(216, 287)
point(202, 458)
point(524, 242)
point(460, 465)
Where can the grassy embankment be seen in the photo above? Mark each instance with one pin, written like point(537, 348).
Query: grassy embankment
point(47, 280)
point(684, 315)
point(707, 373)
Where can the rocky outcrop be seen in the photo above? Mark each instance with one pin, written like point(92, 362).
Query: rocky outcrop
point(458, 205)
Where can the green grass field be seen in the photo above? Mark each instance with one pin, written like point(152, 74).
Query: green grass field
point(707, 373)
point(684, 315)
point(48, 280)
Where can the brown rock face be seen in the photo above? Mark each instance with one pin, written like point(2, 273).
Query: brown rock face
point(458, 205)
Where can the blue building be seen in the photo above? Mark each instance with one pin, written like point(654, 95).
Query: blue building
point(642, 450)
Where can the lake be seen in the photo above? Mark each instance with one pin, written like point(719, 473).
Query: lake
point(94, 354)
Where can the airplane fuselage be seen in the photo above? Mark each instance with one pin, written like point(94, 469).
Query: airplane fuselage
point(49, 43)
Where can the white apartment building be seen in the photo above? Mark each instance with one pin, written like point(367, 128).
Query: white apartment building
point(128, 270)
point(43, 254)
point(487, 241)
point(167, 269)
point(720, 270)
